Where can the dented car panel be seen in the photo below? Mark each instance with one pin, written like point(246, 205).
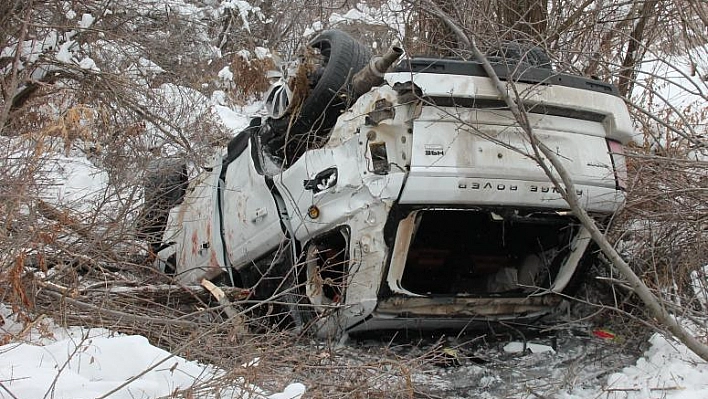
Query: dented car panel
point(253, 226)
point(423, 206)
point(455, 313)
point(538, 98)
point(193, 236)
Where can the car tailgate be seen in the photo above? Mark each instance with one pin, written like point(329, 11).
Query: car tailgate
point(478, 156)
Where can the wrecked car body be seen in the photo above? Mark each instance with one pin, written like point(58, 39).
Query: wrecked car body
point(417, 205)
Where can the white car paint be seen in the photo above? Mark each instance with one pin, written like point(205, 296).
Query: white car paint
point(439, 161)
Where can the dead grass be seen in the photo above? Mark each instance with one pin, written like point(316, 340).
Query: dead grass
point(250, 77)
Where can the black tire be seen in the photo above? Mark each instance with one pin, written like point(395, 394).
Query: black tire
point(330, 94)
point(512, 52)
point(164, 188)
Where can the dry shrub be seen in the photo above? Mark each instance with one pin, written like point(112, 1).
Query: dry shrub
point(300, 83)
point(665, 221)
point(39, 112)
point(250, 77)
point(17, 293)
point(20, 232)
point(71, 126)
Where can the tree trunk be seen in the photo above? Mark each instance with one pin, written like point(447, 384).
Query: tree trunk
point(526, 19)
point(12, 85)
point(635, 49)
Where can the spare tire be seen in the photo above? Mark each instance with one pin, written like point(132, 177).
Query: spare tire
point(512, 52)
point(343, 56)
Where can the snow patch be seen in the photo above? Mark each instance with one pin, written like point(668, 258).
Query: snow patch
point(88, 64)
point(668, 370)
point(315, 27)
point(75, 182)
point(64, 53)
point(245, 54)
point(233, 120)
point(518, 347)
point(92, 367)
point(86, 21)
point(292, 391)
point(226, 74)
point(391, 14)
point(262, 53)
point(244, 9)
point(88, 363)
point(674, 88)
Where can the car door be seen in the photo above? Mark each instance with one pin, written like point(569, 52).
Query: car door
point(250, 220)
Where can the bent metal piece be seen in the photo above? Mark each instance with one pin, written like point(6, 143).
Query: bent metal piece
point(373, 74)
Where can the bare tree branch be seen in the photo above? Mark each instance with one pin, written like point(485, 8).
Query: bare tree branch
point(462, 40)
point(566, 188)
point(634, 47)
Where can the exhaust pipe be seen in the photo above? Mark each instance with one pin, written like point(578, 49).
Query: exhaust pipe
point(372, 74)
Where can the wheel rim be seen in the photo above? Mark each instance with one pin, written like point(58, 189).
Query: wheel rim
point(278, 99)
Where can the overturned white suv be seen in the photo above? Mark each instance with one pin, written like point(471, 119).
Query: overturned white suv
point(400, 200)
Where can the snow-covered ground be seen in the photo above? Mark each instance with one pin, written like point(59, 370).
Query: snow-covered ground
point(673, 89)
point(667, 370)
point(46, 361)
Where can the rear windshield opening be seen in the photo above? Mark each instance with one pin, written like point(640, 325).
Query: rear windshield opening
point(480, 253)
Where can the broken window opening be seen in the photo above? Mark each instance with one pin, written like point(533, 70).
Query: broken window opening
point(482, 253)
point(327, 267)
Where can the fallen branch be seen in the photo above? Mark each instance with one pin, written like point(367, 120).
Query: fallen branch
point(564, 184)
point(122, 316)
point(159, 289)
point(672, 388)
point(230, 311)
point(51, 212)
point(4, 388)
point(567, 189)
